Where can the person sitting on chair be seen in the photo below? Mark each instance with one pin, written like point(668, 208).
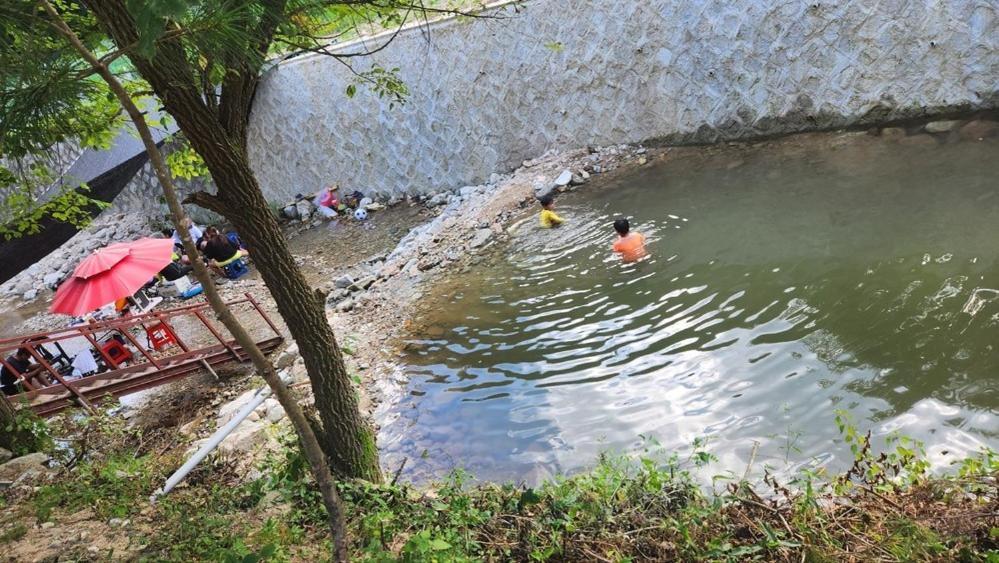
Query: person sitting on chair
point(219, 250)
point(20, 361)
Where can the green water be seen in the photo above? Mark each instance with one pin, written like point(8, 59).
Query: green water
point(787, 280)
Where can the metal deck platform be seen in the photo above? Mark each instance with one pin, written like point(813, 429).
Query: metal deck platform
point(146, 366)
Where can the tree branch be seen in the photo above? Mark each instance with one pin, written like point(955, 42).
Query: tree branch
point(207, 201)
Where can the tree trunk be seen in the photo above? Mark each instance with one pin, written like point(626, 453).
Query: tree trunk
point(307, 439)
point(346, 437)
point(347, 440)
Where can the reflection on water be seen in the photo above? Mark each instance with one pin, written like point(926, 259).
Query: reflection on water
point(787, 281)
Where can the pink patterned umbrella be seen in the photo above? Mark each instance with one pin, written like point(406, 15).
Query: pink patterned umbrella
point(112, 273)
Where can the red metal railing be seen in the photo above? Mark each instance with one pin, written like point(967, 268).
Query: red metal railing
point(118, 379)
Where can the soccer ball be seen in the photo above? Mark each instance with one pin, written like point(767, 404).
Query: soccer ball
point(361, 214)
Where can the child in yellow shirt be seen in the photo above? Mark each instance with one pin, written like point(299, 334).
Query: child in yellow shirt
point(549, 218)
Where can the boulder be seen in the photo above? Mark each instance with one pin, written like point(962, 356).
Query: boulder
point(481, 237)
point(893, 132)
point(389, 270)
point(428, 262)
point(363, 283)
point(230, 409)
point(578, 180)
point(438, 199)
point(941, 126)
point(24, 467)
point(50, 280)
point(247, 437)
point(469, 191)
point(343, 282)
point(30, 295)
point(298, 372)
point(286, 358)
point(541, 189)
point(338, 295)
point(275, 413)
point(304, 208)
point(979, 129)
point(564, 178)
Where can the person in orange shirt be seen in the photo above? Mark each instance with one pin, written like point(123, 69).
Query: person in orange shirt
point(631, 246)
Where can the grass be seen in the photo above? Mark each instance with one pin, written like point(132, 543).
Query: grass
point(886, 507)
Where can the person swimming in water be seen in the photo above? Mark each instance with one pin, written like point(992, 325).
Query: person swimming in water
point(630, 245)
point(549, 218)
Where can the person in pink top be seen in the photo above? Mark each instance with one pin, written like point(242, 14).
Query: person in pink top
point(326, 201)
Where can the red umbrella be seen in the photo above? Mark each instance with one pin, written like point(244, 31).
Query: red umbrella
point(112, 273)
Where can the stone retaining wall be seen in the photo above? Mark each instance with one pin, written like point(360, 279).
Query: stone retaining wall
point(486, 94)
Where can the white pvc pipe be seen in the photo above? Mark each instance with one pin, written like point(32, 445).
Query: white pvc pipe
point(259, 397)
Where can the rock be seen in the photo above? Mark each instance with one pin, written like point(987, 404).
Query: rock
point(5, 455)
point(304, 208)
point(230, 409)
point(428, 262)
point(275, 414)
point(190, 428)
point(979, 129)
point(481, 237)
point(374, 206)
point(290, 212)
point(287, 357)
point(24, 467)
point(30, 295)
point(253, 416)
point(299, 373)
point(577, 180)
point(363, 284)
point(345, 306)
point(338, 295)
point(343, 282)
point(438, 199)
point(51, 280)
point(893, 132)
point(495, 178)
point(564, 178)
point(267, 405)
point(118, 522)
point(584, 175)
point(48, 525)
point(245, 438)
point(941, 126)
point(642, 160)
point(542, 189)
point(469, 191)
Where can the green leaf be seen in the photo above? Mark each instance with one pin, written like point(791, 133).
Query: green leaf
point(527, 498)
point(351, 90)
point(439, 545)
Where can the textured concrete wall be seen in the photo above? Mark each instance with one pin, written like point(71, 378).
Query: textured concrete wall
point(487, 94)
point(144, 196)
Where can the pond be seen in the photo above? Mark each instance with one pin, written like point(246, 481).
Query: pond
point(787, 280)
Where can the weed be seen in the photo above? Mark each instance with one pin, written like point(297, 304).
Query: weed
point(14, 533)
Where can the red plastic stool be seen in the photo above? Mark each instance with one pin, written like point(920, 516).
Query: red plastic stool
point(117, 352)
point(160, 336)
